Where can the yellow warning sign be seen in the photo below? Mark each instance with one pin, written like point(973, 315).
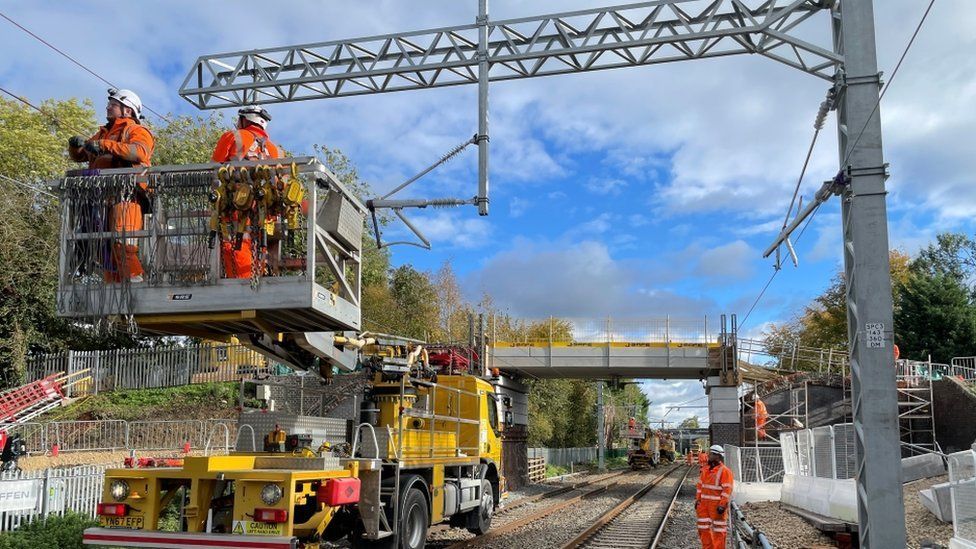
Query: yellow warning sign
point(252, 528)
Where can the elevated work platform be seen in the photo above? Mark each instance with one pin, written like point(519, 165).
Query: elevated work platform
point(153, 247)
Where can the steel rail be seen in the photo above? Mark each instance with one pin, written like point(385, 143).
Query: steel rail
point(605, 520)
point(510, 527)
point(667, 514)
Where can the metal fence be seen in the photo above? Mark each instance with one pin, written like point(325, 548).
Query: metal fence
point(825, 452)
point(27, 495)
point(755, 464)
point(117, 434)
point(565, 456)
point(591, 331)
point(962, 482)
point(155, 367)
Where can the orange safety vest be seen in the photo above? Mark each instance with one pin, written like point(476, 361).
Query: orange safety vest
point(761, 416)
point(251, 143)
point(715, 485)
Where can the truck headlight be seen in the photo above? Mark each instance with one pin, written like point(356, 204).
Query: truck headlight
point(271, 494)
point(119, 490)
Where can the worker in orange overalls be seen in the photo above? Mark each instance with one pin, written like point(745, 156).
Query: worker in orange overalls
point(714, 491)
point(247, 141)
point(702, 459)
point(761, 416)
point(121, 143)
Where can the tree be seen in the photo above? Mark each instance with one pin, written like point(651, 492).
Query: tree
point(416, 302)
point(823, 323)
point(690, 422)
point(936, 318)
point(187, 139)
point(952, 255)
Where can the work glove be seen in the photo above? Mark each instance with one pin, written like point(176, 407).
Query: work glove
point(721, 510)
point(76, 142)
point(93, 147)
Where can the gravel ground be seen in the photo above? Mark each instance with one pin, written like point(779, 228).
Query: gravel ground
point(921, 525)
point(783, 528)
point(681, 531)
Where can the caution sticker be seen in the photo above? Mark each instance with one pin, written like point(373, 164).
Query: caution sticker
point(252, 528)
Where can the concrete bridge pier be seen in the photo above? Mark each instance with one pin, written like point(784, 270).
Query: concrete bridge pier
point(725, 420)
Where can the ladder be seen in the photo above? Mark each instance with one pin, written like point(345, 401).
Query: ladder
point(26, 402)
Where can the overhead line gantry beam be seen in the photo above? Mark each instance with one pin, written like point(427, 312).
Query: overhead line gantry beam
point(643, 33)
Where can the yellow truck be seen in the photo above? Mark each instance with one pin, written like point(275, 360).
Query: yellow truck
point(426, 452)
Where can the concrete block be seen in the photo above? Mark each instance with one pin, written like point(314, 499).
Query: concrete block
point(959, 543)
point(749, 492)
point(923, 466)
point(824, 496)
point(938, 501)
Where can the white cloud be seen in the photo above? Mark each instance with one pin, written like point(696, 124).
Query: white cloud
point(638, 220)
point(605, 186)
point(536, 278)
point(732, 261)
point(517, 207)
point(450, 228)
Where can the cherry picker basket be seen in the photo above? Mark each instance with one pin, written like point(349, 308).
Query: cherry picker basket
point(153, 247)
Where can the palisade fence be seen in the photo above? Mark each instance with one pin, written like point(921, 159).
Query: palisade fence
point(755, 464)
point(27, 495)
point(564, 456)
point(824, 452)
point(212, 435)
point(153, 367)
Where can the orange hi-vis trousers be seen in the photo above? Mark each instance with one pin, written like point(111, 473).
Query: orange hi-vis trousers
point(714, 491)
point(126, 217)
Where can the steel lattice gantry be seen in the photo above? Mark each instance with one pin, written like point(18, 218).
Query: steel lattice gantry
point(646, 33)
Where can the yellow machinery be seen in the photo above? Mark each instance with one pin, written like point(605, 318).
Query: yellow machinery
point(643, 453)
point(427, 451)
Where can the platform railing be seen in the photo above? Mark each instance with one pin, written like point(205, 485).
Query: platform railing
point(180, 248)
point(556, 331)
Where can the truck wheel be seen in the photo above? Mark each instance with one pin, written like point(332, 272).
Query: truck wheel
point(414, 517)
point(413, 524)
point(479, 519)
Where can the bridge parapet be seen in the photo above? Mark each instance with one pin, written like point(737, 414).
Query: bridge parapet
point(604, 332)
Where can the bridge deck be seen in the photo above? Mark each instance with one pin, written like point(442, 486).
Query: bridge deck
point(603, 360)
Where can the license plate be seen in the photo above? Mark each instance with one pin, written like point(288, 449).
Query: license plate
point(121, 522)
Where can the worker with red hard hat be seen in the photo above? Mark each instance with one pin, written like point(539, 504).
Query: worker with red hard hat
point(712, 498)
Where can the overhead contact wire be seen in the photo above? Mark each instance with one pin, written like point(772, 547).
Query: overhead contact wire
point(73, 60)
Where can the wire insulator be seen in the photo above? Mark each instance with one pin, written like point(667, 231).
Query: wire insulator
point(826, 106)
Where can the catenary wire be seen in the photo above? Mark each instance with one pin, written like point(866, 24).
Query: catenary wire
point(73, 60)
point(857, 140)
point(776, 271)
point(887, 86)
point(55, 119)
point(26, 185)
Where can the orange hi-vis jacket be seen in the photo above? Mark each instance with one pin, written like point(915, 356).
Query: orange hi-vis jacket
point(761, 416)
point(125, 143)
point(251, 143)
point(713, 492)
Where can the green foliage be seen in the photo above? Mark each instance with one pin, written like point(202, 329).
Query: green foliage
point(416, 302)
point(689, 423)
point(555, 470)
point(54, 531)
point(823, 323)
point(187, 139)
point(150, 403)
point(936, 318)
point(32, 150)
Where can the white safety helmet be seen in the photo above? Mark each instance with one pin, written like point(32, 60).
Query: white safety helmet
point(256, 115)
point(127, 98)
point(717, 449)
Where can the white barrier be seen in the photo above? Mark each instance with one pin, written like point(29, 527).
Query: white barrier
point(565, 456)
point(25, 496)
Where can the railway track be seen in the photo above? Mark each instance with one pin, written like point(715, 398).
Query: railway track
point(638, 521)
point(531, 509)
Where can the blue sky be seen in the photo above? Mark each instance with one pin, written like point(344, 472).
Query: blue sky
point(637, 192)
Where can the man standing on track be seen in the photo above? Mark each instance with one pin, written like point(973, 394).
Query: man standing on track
point(712, 497)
